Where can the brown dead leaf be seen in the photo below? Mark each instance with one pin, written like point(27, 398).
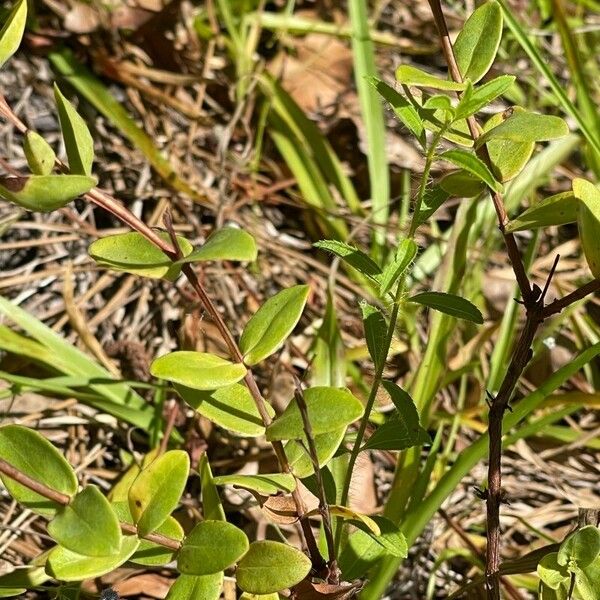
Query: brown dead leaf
point(82, 18)
point(280, 509)
point(148, 584)
point(307, 590)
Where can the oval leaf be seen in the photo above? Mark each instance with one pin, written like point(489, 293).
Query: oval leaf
point(210, 547)
point(470, 163)
point(450, 304)
point(78, 139)
point(329, 409)
point(580, 548)
point(478, 41)
point(229, 243)
point(197, 370)
point(270, 567)
point(588, 221)
point(408, 75)
point(272, 323)
point(231, 407)
point(35, 456)
point(39, 154)
point(559, 209)
point(265, 484)
point(326, 445)
point(462, 184)
point(45, 193)
point(156, 491)
point(551, 573)
point(88, 525)
point(65, 565)
point(12, 31)
point(133, 253)
point(191, 587)
point(356, 258)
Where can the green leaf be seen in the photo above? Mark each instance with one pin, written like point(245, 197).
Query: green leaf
point(39, 154)
point(586, 581)
point(409, 75)
point(231, 407)
point(197, 370)
point(78, 139)
point(375, 332)
point(462, 184)
point(35, 456)
point(469, 162)
point(405, 254)
point(229, 243)
point(210, 547)
point(359, 554)
point(65, 565)
point(478, 41)
point(348, 514)
point(476, 98)
point(403, 429)
point(212, 509)
point(525, 126)
point(551, 572)
point(12, 31)
point(390, 537)
point(192, 587)
point(353, 256)
point(559, 209)
point(433, 199)
point(440, 102)
point(88, 525)
point(326, 445)
point(270, 567)
point(329, 409)
point(156, 491)
point(403, 109)
point(449, 304)
point(272, 323)
point(45, 193)
point(267, 484)
point(133, 253)
point(148, 553)
point(588, 221)
point(580, 548)
point(246, 596)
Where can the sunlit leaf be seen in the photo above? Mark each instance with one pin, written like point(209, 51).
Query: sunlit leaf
point(133, 253)
point(348, 514)
point(76, 135)
point(375, 332)
point(450, 304)
point(476, 98)
point(433, 199)
point(559, 209)
point(326, 445)
point(462, 184)
point(12, 30)
point(588, 221)
point(210, 547)
point(229, 243)
point(270, 567)
point(409, 75)
point(551, 572)
point(39, 154)
point(157, 490)
point(197, 370)
point(328, 409)
point(266, 484)
point(580, 548)
point(356, 258)
point(35, 456)
point(269, 327)
point(193, 587)
point(440, 102)
point(88, 525)
point(212, 508)
point(45, 193)
point(471, 163)
point(405, 254)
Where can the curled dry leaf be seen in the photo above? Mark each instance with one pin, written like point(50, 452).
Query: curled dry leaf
point(280, 509)
point(82, 18)
point(307, 590)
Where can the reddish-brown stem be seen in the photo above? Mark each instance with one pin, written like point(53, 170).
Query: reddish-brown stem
point(64, 500)
point(579, 294)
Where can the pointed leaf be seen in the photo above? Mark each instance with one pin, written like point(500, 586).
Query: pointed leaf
point(348, 514)
point(353, 256)
point(588, 221)
point(45, 193)
point(270, 567)
point(326, 445)
point(157, 490)
point(39, 154)
point(88, 525)
point(212, 509)
point(78, 139)
point(450, 304)
point(12, 31)
point(133, 253)
point(65, 565)
point(480, 97)
point(580, 548)
point(266, 484)
point(478, 41)
point(329, 409)
point(390, 537)
point(469, 162)
point(197, 370)
point(433, 199)
point(192, 587)
point(35, 456)
point(210, 547)
point(375, 332)
point(462, 184)
point(272, 323)
point(405, 254)
point(231, 407)
point(559, 209)
point(409, 75)
point(229, 243)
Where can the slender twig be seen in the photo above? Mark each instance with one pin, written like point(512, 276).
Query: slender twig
point(558, 305)
point(64, 500)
